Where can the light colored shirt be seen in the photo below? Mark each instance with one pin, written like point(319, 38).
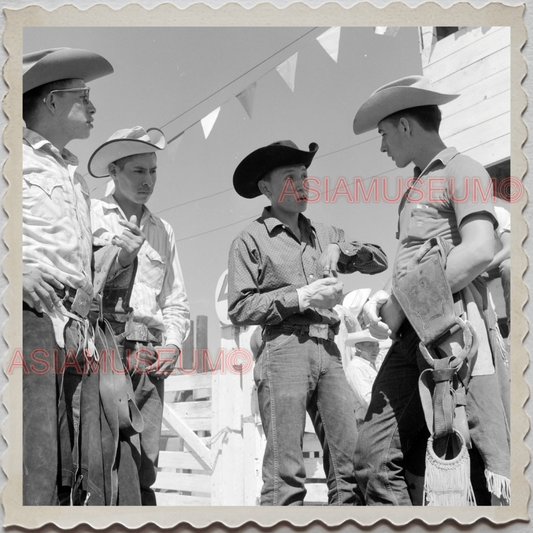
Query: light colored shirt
point(158, 297)
point(450, 188)
point(504, 220)
point(56, 223)
point(361, 374)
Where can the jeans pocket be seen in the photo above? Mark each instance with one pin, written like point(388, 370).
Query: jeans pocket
point(278, 340)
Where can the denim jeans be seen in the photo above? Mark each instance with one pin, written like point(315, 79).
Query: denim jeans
point(393, 421)
point(296, 374)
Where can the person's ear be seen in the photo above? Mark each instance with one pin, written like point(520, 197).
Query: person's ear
point(264, 188)
point(404, 125)
point(112, 168)
point(49, 102)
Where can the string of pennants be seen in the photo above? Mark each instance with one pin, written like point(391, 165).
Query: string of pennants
point(329, 40)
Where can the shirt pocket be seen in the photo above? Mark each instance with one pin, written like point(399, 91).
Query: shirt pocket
point(424, 222)
point(44, 197)
point(155, 269)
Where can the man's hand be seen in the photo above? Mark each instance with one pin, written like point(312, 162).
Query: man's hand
point(329, 259)
point(167, 357)
point(322, 293)
point(38, 291)
point(130, 241)
point(372, 315)
point(383, 315)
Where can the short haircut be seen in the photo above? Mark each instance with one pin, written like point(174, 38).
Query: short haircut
point(32, 98)
point(427, 116)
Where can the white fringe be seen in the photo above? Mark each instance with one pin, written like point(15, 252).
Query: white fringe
point(447, 482)
point(499, 485)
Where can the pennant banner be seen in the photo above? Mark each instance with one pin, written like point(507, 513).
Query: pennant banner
point(173, 145)
point(287, 70)
point(390, 31)
point(209, 121)
point(329, 40)
point(246, 98)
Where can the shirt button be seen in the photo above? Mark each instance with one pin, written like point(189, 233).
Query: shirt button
point(311, 276)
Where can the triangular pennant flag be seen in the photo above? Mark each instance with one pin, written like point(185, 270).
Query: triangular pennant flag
point(172, 147)
point(330, 41)
point(109, 188)
point(209, 121)
point(390, 31)
point(246, 98)
point(287, 70)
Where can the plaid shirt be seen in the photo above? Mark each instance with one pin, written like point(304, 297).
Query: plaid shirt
point(158, 298)
point(267, 263)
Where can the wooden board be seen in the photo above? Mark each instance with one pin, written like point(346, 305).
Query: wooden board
point(477, 115)
point(175, 499)
point(188, 382)
point(183, 482)
point(481, 50)
point(182, 460)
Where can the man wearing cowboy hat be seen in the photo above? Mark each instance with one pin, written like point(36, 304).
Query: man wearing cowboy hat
point(282, 276)
point(407, 116)
point(160, 306)
point(57, 256)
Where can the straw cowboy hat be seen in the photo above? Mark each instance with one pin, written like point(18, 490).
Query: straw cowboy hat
point(411, 91)
point(263, 160)
point(361, 336)
point(355, 300)
point(56, 64)
point(123, 143)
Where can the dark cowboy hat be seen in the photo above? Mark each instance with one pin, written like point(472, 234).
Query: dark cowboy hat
point(57, 64)
point(263, 160)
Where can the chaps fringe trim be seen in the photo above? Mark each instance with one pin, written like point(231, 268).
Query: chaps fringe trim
point(499, 486)
point(447, 481)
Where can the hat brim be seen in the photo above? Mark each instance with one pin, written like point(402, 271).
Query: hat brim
point(360, 336)
point(116, 149)
point(393, 99)
point(262, 161)
point(62, 64)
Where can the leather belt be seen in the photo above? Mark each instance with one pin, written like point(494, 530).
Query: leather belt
point(75, 300)
point(138, 332)
point(315, 331)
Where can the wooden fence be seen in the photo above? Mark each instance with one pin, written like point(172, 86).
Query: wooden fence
point(212, 440)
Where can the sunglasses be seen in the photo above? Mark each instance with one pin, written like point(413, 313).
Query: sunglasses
point(85, 90)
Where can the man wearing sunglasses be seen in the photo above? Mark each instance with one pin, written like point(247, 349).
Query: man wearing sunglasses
point(57, 265)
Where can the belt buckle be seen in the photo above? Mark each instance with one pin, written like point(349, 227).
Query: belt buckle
point(319, 331)
point(81, 303)
point(137, 332)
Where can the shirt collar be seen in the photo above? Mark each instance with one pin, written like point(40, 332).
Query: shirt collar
point(271, 222)
point(111, 203)
point(443, 157)
point(38, 142)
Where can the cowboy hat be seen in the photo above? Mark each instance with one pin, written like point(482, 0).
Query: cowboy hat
point(355, 300)
point(411, 91)
point(56, 64)
point(263, 160)
point(123, 143)
point(360, 336)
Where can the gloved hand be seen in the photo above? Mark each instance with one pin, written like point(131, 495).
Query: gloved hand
point(323, 293)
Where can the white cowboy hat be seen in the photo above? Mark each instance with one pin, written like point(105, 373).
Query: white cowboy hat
point(355, 300)
point(57, 64)
point(123, 143)
point(360, 336)
point(411, 91)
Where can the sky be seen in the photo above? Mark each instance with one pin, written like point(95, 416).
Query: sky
point(172, 77)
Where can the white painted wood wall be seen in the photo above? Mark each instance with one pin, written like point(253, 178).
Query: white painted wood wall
point(475, 62)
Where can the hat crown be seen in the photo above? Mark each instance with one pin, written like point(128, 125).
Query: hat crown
point(137, 132)
point(415, 82)
point(289, 144)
